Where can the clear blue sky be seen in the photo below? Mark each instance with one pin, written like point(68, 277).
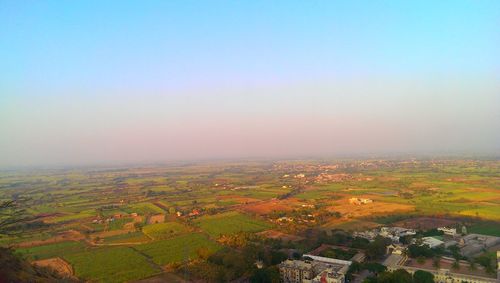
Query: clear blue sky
point(138, 81)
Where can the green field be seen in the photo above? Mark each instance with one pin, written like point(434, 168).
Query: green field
point(165, 230)
point(229, 223)
point(117, 264)
point(144, 208)
point(176, 249)
point(53, 250)
point(486, 228)
point(132, 237)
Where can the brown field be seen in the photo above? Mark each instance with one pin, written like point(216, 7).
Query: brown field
point(376, 208)
point(70, 235)
point(57, 264)
point(273, 234)
point(239, 199)
point(130, 226)
point(425, 223)
point(157, 218)
point(267, 207)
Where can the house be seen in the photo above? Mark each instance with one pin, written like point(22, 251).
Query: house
point(195, 212)
point(448, 231)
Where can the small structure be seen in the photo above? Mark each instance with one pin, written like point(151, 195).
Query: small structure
point(259, 264)
point(360, 201)
point(397, 249)
point(448, 231)
point(195, 212)
point(432, 242)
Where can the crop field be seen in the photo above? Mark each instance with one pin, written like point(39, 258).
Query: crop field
point(229, 223)
point(486, 228)
point(52, 250)
point(159, 215)
point(128, 238)
point(177, 249)
point(165, 230)
point(118, 264)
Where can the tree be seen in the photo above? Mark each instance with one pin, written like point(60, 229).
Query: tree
point(398, 276)
point(203, 252)
point(375, 267)
point(436, 261)
point(377, 248)
point(138, 226)
point(266, 275)
point(421, 276)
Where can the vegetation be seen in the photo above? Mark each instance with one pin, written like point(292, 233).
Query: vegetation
point(52, 250)
point(229, 223)
point(117, 264)
point(177, 249)
point(162, 231)
point(215, 212)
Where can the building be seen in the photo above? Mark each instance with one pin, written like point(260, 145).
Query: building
point(360, 201)
point(296, 271)
point(432, 242)
point(393, 233)
point(475, 243)
point(314, 269)
point(441, 275)
point(395, 249)
point(448, 231)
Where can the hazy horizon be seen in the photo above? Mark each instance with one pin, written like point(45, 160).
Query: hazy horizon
point(128, 82)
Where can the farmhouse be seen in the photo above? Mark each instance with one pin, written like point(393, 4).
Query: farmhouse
point(360, 201)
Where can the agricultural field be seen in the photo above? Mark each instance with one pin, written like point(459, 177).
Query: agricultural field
point(53, 250)
point(165, 230)
point(177, 249)
point(169, 215)
point(118, 264)
point(127, 238)
point(229, 223)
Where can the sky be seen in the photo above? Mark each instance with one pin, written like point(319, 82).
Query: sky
point(102, 82)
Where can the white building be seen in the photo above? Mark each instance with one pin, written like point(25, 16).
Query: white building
point(395, 262)
point(316, 270)
point(448, 231)
point(431, 242)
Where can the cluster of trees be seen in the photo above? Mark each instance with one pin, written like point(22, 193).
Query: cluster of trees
point(401, 276)
point(486, 260)
point(339, 237)
point(230, 264)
